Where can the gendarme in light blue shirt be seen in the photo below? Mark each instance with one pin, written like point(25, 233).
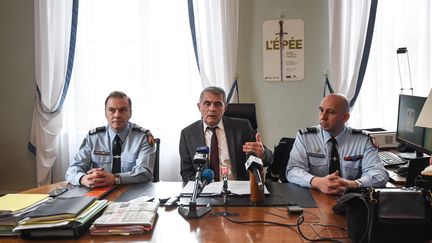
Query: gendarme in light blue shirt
point(137, 157)
point(359, 159)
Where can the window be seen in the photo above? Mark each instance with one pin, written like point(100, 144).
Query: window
point(144, 49)
point(398, 24)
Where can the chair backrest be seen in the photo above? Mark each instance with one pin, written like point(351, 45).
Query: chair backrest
point(243, 110)
point(281, 155)
point(156, 164)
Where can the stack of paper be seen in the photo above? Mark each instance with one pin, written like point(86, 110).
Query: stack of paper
point(61, 217)
point(215, 188)
point(126, 218)
point(14, 207)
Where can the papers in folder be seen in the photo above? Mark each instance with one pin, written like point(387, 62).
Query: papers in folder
point(215, 188)
point(15, 202)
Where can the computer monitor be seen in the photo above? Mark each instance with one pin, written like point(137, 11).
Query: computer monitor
point(427, 141)
point(243, 110)
point(407, 133)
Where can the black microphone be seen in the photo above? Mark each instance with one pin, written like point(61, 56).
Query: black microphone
point(201, 155)
point(200, 158)
point(191, 211)
point(225, 191)
point(255, 165)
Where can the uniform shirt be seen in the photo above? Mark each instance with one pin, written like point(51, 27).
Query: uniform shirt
point(359, 159)
point(137, 156)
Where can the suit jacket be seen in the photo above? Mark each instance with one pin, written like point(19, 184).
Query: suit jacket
point(238, 131)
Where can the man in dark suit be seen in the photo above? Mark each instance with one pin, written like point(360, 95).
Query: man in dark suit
point(229, 139)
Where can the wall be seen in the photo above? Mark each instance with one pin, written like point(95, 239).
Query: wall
point(17, 86)
point(283, 108)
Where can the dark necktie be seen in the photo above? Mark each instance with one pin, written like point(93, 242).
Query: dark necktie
point(214, 153)
point(334, 157)
point(116, 151)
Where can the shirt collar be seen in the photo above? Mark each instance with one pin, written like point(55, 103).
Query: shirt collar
point(219, 125)
point(123, 134)
point(338, 137)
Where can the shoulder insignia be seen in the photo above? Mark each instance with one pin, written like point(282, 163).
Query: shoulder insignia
point(140, 129)
point(363, 132)
point(83, 143)
point(359, 131)
point(150, 138)
point(97, 130)
point(374, 141)
point(308, 130)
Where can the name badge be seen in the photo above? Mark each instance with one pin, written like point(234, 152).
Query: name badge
point(101, 152)
point(316, 155)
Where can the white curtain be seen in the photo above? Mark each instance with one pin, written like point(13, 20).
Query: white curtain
point(216, 28)
point(52, 35)
point(143, 48)
point(398, 24)
point(348, 21)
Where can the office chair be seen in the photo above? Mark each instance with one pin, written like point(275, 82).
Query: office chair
point(276, 171)
point(156, 164)
point(243, 110)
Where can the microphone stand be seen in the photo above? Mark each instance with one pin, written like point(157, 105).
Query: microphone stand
point(191, 211)
point(225, 192)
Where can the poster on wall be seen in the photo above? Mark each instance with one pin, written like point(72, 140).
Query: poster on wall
point(283, 50)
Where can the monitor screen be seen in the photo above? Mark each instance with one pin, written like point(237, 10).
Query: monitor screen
point(407, 133)
point(427, 141)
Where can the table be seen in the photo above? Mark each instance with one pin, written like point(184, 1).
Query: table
point(171, 227)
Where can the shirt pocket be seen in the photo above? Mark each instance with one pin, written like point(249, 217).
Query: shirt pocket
point(352, 169)
point(128, 161)
point(101, 161)
point(318, 163)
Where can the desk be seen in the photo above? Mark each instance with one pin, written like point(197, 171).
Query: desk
point(171, 227)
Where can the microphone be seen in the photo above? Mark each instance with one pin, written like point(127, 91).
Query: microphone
point(207, 177)
point(254, 165)
point(201, 155)
point(200, 158)
point(225, 191)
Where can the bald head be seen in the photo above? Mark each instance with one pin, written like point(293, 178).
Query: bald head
point(340, 100)
point(334, 112)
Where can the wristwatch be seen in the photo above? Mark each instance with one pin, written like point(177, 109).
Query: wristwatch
point(117, 179)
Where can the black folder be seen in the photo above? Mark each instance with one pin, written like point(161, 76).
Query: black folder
point(73, 230)
point(60, 208)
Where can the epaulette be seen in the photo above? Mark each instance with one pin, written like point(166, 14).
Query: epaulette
point(150, 138)
point(308, 130)
point(359, 131)
point(97, 130)
point(363, 132)
point(140, 129)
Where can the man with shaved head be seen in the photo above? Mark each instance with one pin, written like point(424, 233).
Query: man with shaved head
point(333, 156)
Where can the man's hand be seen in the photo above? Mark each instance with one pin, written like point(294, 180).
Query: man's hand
point(332, 184)
point(98, 177)
point(255, 147)
point(329, 184)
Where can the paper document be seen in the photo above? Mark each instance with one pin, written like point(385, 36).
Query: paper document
point(16, 202)
point(215, 188)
